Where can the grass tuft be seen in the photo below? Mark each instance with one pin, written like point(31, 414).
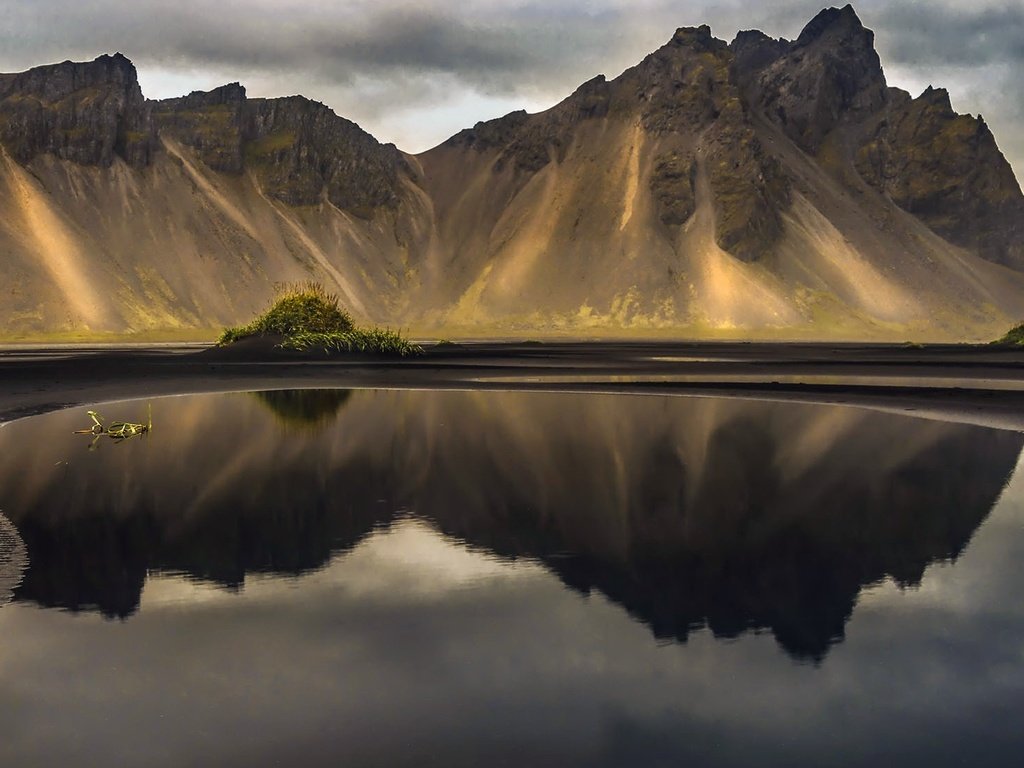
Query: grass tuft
point(309, 318)
point(1013, 338)
point(371, 341)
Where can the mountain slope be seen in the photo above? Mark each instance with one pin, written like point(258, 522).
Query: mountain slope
point(715, 187)
point(126, 214)
point(758, 188)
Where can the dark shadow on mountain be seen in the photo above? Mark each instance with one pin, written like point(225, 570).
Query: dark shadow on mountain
point(688, 513)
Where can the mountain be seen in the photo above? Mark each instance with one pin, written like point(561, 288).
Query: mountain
point(758, 188)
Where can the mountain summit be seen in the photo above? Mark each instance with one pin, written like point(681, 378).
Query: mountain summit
point(758, 188)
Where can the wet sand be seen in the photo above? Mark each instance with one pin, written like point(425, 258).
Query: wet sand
point(966, 383)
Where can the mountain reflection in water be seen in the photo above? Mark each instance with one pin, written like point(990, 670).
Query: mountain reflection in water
point(686, 512)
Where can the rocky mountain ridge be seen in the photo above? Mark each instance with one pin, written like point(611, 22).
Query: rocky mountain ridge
point(299, 149)
point(93, 113)
point(758, 187)
point(87, 113)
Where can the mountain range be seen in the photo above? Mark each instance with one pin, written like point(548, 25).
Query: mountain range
point(762, 188)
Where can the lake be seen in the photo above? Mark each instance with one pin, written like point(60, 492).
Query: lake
point(420, 578)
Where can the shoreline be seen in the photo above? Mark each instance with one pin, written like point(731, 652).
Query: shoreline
point(981, 385)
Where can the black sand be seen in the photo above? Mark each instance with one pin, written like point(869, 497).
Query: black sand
point(977, 384)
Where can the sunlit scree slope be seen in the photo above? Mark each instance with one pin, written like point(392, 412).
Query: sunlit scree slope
point(759, 189)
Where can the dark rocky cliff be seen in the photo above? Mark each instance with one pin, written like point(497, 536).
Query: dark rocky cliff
point(210, 122)
point(829, 76)
point(942, 167)
point(300, 151)
point(946, 169)
point(88, 113)
point(685, 94)
point(688, 88)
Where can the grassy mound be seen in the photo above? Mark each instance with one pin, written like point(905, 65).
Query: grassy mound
point(307, 318)
point(1013, 338)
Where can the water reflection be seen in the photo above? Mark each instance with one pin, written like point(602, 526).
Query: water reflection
point(13, 559)
point(304, 408)
point(686, 512)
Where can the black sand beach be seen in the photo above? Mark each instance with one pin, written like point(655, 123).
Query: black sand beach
point(975, 384)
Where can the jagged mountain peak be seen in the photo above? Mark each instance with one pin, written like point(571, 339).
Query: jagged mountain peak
point(837, 37)
point(830, 76)
point(117, 58)
point(938, 97)
point(697, 38)
point(53, 82)
point(747, 37)
point(89, 112)
point(230, 94)
point(753, 50)
point(835, 22)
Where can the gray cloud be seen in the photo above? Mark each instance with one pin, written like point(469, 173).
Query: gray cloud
point(949, 34)
point(975, 50)
point(414, 72)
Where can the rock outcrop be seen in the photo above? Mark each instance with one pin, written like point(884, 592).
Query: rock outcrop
point(829, 76)
point(299, 150)
point(91, 113)
point(210, 122)
point(942, 167)
point(87, 113)
point(946, 170)
point(686, 95)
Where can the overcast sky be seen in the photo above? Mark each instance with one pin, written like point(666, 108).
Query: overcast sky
point(416, 71)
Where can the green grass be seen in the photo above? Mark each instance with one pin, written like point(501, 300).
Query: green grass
point(370, 341)
point(302, 308)
point(267, 146)
point(309, 318)
point(1013, 338)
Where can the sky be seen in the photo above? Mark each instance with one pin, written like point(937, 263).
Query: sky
point(414, 72)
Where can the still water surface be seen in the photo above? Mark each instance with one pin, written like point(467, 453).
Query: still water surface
point(456, 578)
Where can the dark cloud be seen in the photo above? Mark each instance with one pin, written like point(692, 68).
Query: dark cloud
point(947, 34)
point(494, 50)
point(409, 67)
